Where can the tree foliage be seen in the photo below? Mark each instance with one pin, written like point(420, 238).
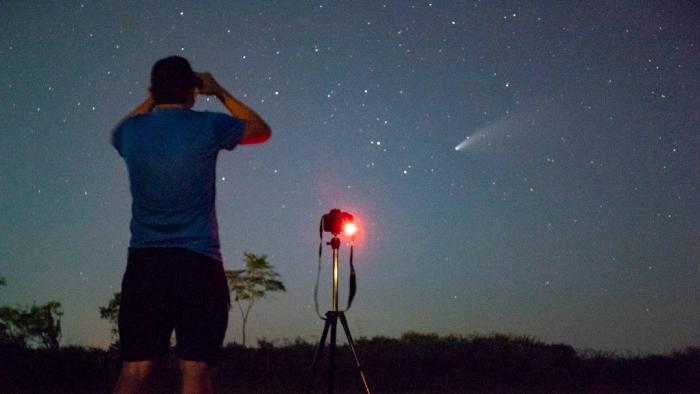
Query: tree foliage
point(111, 314)
point(252, 283)
point(38, 325)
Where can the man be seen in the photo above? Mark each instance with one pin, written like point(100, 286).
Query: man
point(174, 278)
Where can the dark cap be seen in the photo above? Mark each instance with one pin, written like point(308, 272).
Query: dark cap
point(174, 70)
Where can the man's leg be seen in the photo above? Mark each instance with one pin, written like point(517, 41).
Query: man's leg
point(196, 378)
point(203, 300)
point(144, 323)
point(134, 377)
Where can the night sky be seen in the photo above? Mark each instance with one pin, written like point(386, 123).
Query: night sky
point(517, 167)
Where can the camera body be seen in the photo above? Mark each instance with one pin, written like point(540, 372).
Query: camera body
point(335, 220)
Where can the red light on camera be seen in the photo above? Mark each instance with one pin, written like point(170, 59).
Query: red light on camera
point(350, 229)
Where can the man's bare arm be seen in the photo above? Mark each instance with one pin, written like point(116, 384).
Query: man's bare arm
point(256, 130)
point(145, 107)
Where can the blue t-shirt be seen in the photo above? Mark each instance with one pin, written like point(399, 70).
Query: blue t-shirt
point(171, 158)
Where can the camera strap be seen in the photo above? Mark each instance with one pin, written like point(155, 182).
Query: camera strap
point(318, 270)
point(353, 280)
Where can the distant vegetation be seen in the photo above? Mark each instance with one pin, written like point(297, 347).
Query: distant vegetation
point(414, 363)
point(32, 361)
point(30, 325)
point(110, 312)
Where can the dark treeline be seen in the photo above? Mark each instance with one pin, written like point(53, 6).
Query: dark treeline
point(413, 363)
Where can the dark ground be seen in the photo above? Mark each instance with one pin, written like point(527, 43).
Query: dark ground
point(416, 363)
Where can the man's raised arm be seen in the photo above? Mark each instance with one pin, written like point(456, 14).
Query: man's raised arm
point(145, 107)
point(256, 130)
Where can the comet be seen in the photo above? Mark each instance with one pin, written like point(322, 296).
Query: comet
point(490, 133)
point(470, 140)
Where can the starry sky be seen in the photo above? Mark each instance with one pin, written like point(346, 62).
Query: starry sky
point(524, 167)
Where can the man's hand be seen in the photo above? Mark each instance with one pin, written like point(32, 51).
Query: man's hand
point(145, 107)
point(209, 85)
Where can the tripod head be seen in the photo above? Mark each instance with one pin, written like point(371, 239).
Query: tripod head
point(334, 243)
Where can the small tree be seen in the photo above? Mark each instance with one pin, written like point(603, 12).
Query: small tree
point(255, 282)
point(111, 314)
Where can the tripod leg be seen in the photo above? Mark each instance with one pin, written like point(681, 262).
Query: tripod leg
point(331, 372)
point(354, 354)
point(317, 356)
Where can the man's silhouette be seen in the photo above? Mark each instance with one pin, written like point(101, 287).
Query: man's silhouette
point(174, 278)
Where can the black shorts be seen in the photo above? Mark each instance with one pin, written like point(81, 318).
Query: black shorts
point(166, 289)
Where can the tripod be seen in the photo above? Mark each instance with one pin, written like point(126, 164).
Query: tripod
point(331, 325)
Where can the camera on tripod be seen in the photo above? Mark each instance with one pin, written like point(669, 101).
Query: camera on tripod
point(337, 221)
